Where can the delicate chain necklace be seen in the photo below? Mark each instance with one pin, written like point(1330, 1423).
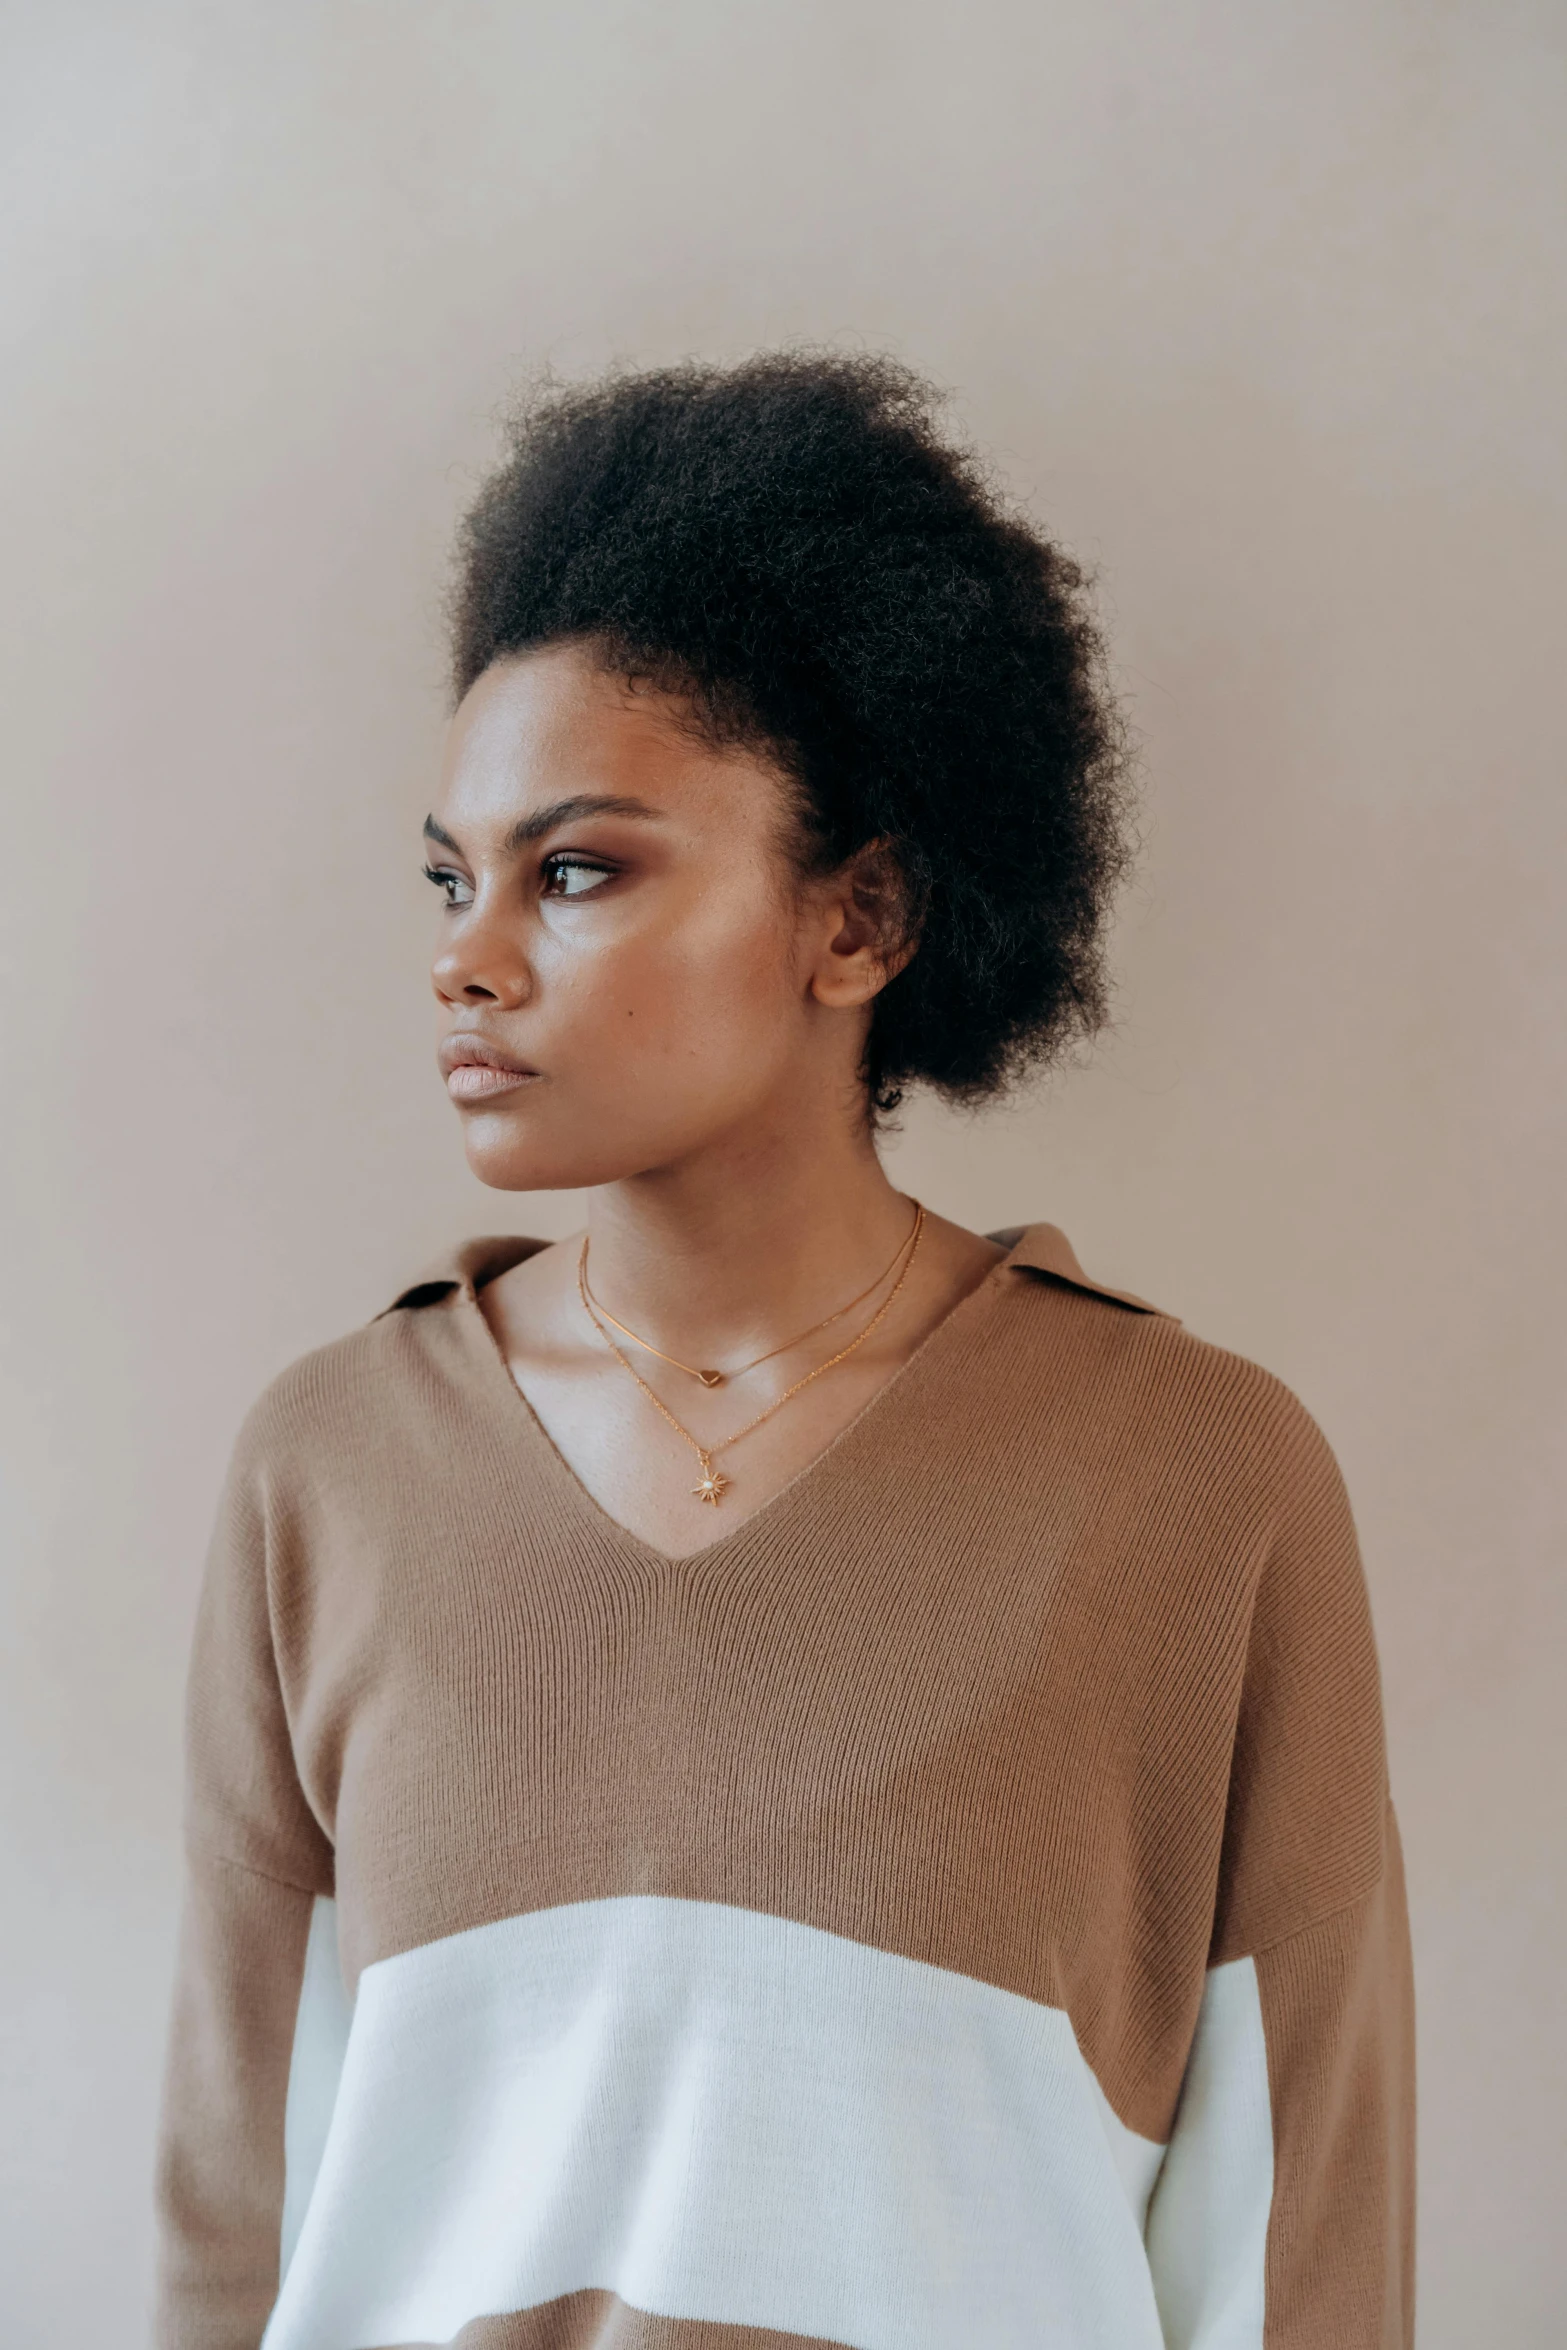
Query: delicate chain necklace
point(714, 1483)
point(722, 1378)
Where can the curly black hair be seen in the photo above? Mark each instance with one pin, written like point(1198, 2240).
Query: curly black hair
point(793, 547)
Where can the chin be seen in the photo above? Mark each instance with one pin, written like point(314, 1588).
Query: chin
point(511, 1160)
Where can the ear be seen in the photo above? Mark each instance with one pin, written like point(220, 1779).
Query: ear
point(867, 935)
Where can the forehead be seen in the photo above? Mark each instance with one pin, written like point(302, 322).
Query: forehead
point(544, 725)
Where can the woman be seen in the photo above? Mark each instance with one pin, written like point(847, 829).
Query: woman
point(779, 1771)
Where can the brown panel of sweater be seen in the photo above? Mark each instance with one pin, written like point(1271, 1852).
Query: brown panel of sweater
point(601, 2321)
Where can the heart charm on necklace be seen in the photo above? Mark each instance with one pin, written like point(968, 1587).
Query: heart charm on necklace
point(711, 1378)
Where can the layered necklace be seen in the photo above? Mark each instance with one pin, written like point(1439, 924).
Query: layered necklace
point(714, 1483)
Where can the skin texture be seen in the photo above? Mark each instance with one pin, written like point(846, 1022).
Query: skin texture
point(689, 1017)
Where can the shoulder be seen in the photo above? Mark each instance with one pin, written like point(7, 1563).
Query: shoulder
point(380, 1387)
point(1207, 1470)
point(1186, 1411)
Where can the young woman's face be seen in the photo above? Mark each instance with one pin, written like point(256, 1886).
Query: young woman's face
point(628, 969)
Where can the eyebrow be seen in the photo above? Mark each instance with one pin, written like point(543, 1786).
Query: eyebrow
point(543, 820)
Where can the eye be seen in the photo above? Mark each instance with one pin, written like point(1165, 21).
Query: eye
point(444, 878)
point(573, 877)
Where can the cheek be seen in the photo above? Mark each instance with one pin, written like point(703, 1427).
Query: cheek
point(715, 986)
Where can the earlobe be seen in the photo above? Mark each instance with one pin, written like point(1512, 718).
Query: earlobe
point(845, 990)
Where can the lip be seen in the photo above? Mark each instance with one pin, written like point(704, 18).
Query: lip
point(476, 1070)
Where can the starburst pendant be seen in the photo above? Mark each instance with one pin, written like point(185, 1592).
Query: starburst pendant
point(714, 1485)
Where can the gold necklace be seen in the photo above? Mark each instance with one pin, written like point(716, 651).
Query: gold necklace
point(714, 1483)
point(722, 1378)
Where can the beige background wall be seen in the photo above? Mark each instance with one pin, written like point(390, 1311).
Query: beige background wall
point(1263, 305)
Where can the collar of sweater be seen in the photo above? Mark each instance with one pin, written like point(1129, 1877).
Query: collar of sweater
point(1039, 1249)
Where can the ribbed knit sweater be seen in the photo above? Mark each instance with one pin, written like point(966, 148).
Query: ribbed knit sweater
point(958, 1909)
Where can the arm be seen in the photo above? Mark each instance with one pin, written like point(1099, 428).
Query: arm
point(257, 1866)
point(1283, 2218)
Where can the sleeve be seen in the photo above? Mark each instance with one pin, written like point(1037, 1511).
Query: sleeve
point(1283, 2216)
point(257, 1866)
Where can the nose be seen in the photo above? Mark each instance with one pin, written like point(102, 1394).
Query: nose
point(481, 961)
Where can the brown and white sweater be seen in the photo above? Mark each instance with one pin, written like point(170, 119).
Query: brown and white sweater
point(959, 1909)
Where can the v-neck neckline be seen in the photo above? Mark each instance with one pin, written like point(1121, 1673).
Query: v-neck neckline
point(795, 1491)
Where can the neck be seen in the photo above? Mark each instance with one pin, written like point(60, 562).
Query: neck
point(744, 1243)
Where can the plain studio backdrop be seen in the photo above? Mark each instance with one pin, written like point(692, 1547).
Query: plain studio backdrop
point(1261, 308)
